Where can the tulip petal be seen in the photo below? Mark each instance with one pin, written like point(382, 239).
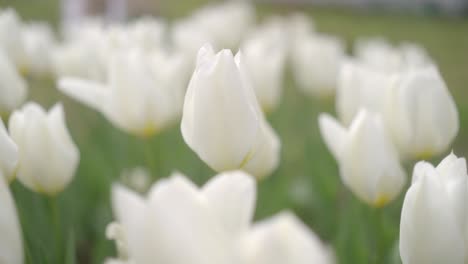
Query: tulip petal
point(284, 239)
point(232, 197)
point(90, 93)
point(11, 245)
point(8, 153)
point(333, 133)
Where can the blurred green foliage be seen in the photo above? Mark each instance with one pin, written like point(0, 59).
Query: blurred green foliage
point(307, 180)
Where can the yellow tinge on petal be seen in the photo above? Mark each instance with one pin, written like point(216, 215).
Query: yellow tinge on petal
point(381, 201)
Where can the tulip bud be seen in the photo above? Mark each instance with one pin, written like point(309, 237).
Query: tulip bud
point(421, 114)
point(11, 244)
point(38, 44)
point(37, 132)
point(361, 86)
point(316, 61)
point(132, 99)
point(284, 239)
point(8, 154)
point(235, 135)
point(381, 55)
point(10, 37)
point(264, 55)
point(13, 88)
point(368, 161)
point(433, 218)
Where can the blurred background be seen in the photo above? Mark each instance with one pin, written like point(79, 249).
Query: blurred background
point(307, 180)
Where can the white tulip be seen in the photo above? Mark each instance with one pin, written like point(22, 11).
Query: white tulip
point(11, 244)
point(131, 99)
point(222, 121)
point(367, 159)
point(421, 114)
point(38, 44)
point(361, 86)
point(80, 59)
point(35, 131)
point(238, 16)
point(84, 54)
point(284, 239)
point(264, 56)
point(205, 224)
point(8, 154)
point(379, 54)
point(13, 88)
point(10, 37)
point(316, 61)
point(433, 226)
point(188, 37)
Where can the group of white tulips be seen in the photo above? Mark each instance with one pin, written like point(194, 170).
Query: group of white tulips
point(219, 74)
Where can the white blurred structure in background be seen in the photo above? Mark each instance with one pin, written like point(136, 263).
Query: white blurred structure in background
point(75, 11)
point(441, 6)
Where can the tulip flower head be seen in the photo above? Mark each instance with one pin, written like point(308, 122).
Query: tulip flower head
point(13, 88)
point(368, 161)
point(131, 99)
point(34, 131)
point(421, 114)
point(360, 86)
point(211, 224)
point(316, 62)
point(265, 56)
point(222, 121)
point(433, 218)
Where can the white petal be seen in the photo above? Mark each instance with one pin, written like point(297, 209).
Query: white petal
point(8, 153)
point(333, 133)
point(11, 245)
point(284, 239)
point(440, 239)
point(232, 196)
point(90, 93)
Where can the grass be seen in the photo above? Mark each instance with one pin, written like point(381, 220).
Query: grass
point(307, 180)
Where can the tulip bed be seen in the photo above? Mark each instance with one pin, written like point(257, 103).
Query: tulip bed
point(307, 180)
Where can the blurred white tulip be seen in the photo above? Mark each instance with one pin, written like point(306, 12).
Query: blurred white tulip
point(284, 239)
point(38, 44)
point(13, 88)
point(132, 99)
point(316, 61)
point(11, 244)
point(264, 54)
point(82, 58)
point(36, 131)
point(368, 161)
point(421, 114)
point(360, 86)
point(433, 226)
point(10, 37)
point(8, 154)
point(222, 121)
point(213, 20)
point(379, 54)
point(84, 52)
point(188, 37)
point(205, 224)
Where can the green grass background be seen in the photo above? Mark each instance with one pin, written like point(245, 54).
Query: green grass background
point(307, 180)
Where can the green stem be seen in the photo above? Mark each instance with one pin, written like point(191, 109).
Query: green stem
point(377, 215)
point(55, 217)
point(149, 156)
